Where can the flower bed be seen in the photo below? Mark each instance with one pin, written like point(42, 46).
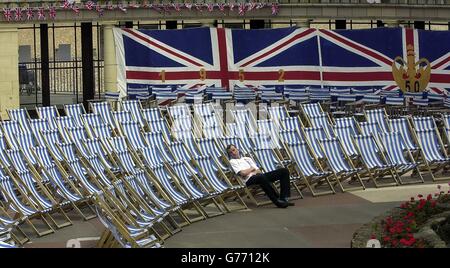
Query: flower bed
point(417, 223)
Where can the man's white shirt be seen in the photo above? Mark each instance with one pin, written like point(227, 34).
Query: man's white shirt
point(243, 163)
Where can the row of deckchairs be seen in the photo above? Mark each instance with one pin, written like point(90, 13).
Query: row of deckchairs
point(131, 189)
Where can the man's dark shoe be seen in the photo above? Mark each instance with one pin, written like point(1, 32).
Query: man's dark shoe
point(281, 204)
point(287, 201)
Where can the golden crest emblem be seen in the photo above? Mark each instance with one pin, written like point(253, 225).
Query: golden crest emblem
point(409, 75)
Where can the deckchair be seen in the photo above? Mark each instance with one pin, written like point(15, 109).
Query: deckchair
point(103, 133)
point(345, 135)
point(78, 136)
point(278, 113)
point(152, 114)
point(104, 110)
point(160, 125)
point(322, 121)
point(269, 161)
point(312, 110)
point(30, 180)
point(211, 147)
point(132, 131)
point(51, 138)
point(396, 149)
point(235, 140)
point(11, 229)
point(95, 147)
point(292, 123)
point(369, 128)
point(123, 116)
point(157, 139)
point(403, 126)
point(213, 131)
point(19, 202)
point(376, 164)
point(196, 189)
point(313, 135)
point(424, 123)
point(63, 183)
point(242, 132)
point(11, 129)
point(37, 125)
point(245, 118)
point(75, 111)
point(378, 116)
point(48, 113)
point(218, 181)
point(340, 164)
point(268, 127)
point(124, 234)
point(21, 116)
point(432, 151)
point(187, 138)
point(135, 107)
point(178, 110)
point(309, 169)
point(64, 122)
point(291, 136)
point(347, 122)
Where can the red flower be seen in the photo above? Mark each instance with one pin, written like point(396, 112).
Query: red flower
point(408, 229)
point(386, 238)
point(394, 242)
point(373, 236)
point(403, 205)
point(419, 196)
point(433, 204)
point(429, 197)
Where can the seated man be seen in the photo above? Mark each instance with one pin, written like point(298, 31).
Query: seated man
point(251, 175)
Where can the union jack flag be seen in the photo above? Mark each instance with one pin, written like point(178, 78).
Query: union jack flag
point(287, 56)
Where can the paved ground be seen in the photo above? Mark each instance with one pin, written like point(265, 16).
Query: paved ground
point(326, 221)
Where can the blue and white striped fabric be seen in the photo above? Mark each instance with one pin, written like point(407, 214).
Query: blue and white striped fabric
point(292, 123)
point(209, 120)
point(78, 137)
point(179, 110)
point(186, 176)
point(424, 123)
point(157, 139)
point(401, 125)
point(304, 160)
point(369, 128)
point(166, 181)
point(182, 122)
point(347, 122)
point(26, 142)
point(37, 125)
point(291, 136)
point(267, 159)
point(151, 114)
point(180, 153)
point(118, 143)
point(103, 133)
point(11, 129)
point(322, 121)
point(127, 161)
point(48, 113)
point(95, 147)
point(394, 145)
point(423, 102)
point(277, 113)
point(314, 135)
point(394, 100)
point(160, 125)
point(204, 109)
point(11, 195)
point(21, 116)
point(210, 147)
point(68, 149)
point(134, 107)
point(133, 132)
point(378, 116)
point(268, 127)
point(3, 156)
point(6, 245)
point(263, 141)
point(152, 156)
point(122, 116)
point(63, 123)
point(210, 170)
point(320, 94)
point(40, 201)
point(55, 176)
point(335, 156)
point(149, 188)
point(166, 96)
point(245, 118)
point(300, 96)
point(213, 132)
point(75, 111)
point(431, 146)
point(345, 135)
point(312, 109)
point(51, 138)
point(244, 94)
point(370, 152)
point(104, 110)
point(371, 98)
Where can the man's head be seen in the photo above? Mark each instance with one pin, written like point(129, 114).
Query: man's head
point(232, 152)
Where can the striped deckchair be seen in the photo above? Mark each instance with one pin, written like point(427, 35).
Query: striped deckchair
point(123, 116)
point(21, 116)
point(340, 164)
point(157, 139)
point(378, 116)
point(48, 113)
point(11, 129)
point(160, 125)
point(75, 111)
point(104, 110)
point(37, 125)
point(135, 107)
point(403, 126)
point(345, 135)
point(376, 164)
point(313, 135)
point(64, 122)
point(245, 118)
point(309, 169)
point(292, 123)
point(322, 121)
point(396, 149)
point(432, 151)
point(211, 147)
point(278, 113)
point(424, 123)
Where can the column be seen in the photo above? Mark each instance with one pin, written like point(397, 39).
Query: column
point(9, 69)
point(109, 57)
point(88, 63)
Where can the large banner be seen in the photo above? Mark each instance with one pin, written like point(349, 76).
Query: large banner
point(388, 58)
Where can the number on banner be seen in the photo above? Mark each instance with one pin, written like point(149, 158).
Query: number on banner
point(162, 74)
point(202, 73)
point(281, 77)
point(241, 75)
